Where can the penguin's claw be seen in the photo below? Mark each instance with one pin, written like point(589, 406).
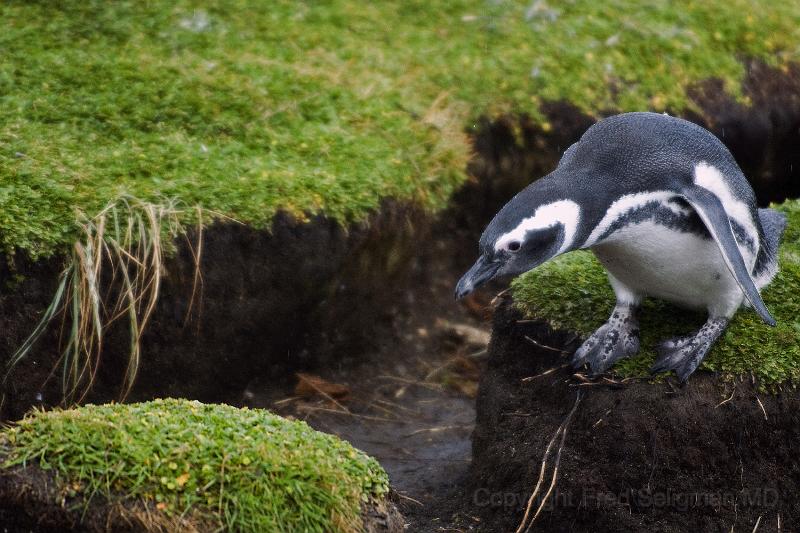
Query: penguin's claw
point(606, 346)
point(684, 354)
point(684, 359)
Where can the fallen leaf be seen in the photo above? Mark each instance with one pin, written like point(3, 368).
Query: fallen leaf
point(309, 385)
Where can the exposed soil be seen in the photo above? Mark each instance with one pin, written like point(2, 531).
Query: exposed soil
point(34, 501)
point(270, 302)
point(710, 456)
point(408, 400)
point(419, 429)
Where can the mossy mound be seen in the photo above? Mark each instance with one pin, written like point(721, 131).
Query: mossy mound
point(202, 466)
point(246, 107)
point(572, 293)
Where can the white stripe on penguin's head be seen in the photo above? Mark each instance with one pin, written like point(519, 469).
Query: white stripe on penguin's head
point(564, 212)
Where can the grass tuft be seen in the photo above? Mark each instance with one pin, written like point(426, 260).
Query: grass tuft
point(237, 469)
point(126, 241)
point(573, 293)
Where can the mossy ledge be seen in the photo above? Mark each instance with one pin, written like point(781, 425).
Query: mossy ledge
point(177, 465)
point(248, 108)
point(572, 293)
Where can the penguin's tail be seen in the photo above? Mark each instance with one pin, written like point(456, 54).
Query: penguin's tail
point(773, 223)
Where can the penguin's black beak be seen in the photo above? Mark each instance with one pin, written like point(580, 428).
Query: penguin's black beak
point(481, 272)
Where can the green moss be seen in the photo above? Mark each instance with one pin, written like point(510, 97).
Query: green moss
point(245, 107)
point(573, 293)
point(244, 470)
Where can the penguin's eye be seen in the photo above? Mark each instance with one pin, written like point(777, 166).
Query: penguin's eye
point(513, 246)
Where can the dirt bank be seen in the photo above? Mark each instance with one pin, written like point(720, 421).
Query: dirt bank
point(34, 501)
point(269, 303)
point(710, 456)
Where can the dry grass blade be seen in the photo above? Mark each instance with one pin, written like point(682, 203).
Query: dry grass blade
point(761, 405)
point(544, 346)
point(723, 402)
point(197, 253)
point(562, 432)
point(539, 481)
point(545, 373)
point(554, 477)
point(126, 242)
point(52, 310)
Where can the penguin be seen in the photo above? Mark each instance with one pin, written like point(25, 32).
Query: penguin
point(664, 207)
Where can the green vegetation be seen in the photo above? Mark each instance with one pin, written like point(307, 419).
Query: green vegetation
point(244, 470)
point(246, 107)
point(573, 293)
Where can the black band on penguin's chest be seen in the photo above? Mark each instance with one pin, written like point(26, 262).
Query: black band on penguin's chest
point(682, 219)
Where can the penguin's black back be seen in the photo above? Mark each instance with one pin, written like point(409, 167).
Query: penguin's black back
point(642, 151)
point(639, 152)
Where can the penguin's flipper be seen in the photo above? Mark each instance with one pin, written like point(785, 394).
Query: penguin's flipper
point(713, 215)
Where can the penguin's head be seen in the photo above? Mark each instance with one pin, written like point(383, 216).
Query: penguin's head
point(519, 239)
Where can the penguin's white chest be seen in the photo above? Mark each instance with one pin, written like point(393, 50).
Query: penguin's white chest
point(682, 267)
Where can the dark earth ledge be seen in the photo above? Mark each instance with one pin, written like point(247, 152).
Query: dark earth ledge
point(303, 293)
point(710, 456)
point(31, 500)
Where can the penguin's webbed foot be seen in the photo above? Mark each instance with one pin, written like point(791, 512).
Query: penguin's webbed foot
point(684, 354)
point(616, 339)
